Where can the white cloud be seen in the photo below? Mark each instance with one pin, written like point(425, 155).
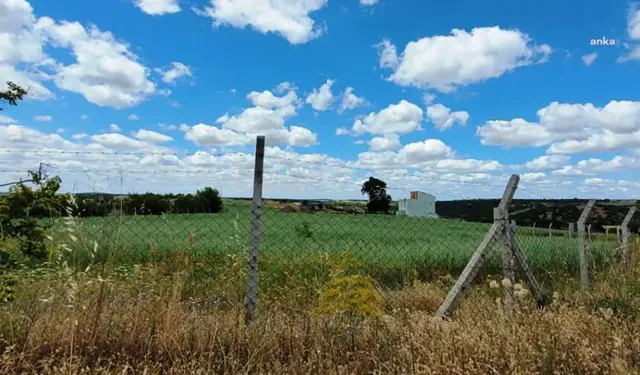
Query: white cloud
point(60, 130)
point(342, 131)
point(569, 171)
point(158, 7)
point(633, 29)
point(121, 142)
point(208, 135)
point(149, 136)
point(288, 18)
point(514, 133)
point(114, 127)
point(169, 127)
point(43, 118)
point(177, 71)
point(467, 165)
point(388, 142)
point(601, 142)
point(267, 100)
point(588, 59)
point(412, 154)
point(388, 54)
point(633, 21)
point(133, 117)
point(547, 162)
point(530, 177)
point(570, 128)
point(368, 2)
point(6, 120)
point(267, 118)
point(460, 59)
point(321, 99)
point(284, 87)
point(350, 100)
point(28, 80)
point(105, 72)
point(404, 117)
point(79, 136)
point(428, 99)
point(444, 119)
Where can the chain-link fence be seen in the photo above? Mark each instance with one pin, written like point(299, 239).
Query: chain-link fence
point(253, 252)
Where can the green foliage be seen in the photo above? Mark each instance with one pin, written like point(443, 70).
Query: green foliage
point(21, 208)
point(209, 200)
point(13, 93)
point(379, 200)
point(303, 230)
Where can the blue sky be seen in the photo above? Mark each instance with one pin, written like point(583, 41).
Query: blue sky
point(445, 96)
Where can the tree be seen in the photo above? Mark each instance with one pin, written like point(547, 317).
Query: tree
point(13, 93)
point(209, 200)
point(379, 200)
point(22, 208)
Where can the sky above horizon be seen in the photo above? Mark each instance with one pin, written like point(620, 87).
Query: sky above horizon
point(448, 97)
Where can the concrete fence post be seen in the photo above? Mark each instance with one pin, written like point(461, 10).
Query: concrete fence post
point(496, 233)
point(626, 248)
point(550, 226)
point(255, 238)
point(572, 230)
point(584, 260)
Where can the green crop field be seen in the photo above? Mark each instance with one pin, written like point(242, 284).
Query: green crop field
point(381, 242)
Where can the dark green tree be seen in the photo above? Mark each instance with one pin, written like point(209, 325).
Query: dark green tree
point(13, 93)
point(379, 200)
point(208, 200)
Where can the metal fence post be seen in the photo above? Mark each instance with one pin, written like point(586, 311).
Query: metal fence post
point(255, 238)
point(471, 270)
point(625, 238)
point(584, 265)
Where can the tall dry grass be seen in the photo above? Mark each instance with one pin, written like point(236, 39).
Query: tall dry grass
point(145, 322)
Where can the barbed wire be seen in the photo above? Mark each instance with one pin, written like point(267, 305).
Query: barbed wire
point(123, 153)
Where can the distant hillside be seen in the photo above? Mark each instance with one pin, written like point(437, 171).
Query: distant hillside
point(558, 212)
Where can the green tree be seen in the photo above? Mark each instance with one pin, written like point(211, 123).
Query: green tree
point(209, 200)
point(22, 208)
point(379, 200)
point(13, 93)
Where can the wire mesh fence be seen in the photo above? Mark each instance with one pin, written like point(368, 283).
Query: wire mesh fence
point(305, 247)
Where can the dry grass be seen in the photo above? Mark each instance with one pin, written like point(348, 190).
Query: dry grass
point(147, 323)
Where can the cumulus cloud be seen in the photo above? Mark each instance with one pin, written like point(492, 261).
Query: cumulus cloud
point(287, 18)
point(388, 142)
point(321, 99)
point(149, 136)
point(404, 117)
point(530, 177)
point(342, 131)
point(268, 117)
point(368, 2)
point(412, 154)
point(175, 72)
point(114, 127)
point(444, 119)
point(158, 7)
point(350, 100)
point(6, 120)
point(570, 128)
point(462, 58)
point(633, 29)
point(79, 136)
point(428, 99)
point(133, 117)
point(547, 162)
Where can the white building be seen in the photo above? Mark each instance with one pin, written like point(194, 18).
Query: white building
point(419, 204)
